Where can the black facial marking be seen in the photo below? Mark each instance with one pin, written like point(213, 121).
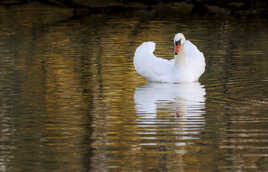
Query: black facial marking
point(178, 42)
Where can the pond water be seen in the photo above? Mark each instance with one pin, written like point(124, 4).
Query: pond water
point(72, 101)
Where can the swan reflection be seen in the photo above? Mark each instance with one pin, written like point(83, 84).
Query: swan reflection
point(187, 99)
point(178, 107)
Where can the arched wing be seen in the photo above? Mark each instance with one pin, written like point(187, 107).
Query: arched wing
point(148, 65)
point(195, 58)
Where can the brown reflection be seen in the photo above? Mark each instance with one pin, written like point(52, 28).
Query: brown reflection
point(46, 122)
point(67, 105)
point(66, 125)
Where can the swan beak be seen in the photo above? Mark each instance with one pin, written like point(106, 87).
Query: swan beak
point(177, 47)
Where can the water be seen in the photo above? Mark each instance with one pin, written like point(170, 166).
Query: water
point(72, 101)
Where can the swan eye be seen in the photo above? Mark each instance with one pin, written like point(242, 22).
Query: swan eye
point(178, 42)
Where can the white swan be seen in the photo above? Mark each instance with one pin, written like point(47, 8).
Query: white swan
point(187, 66)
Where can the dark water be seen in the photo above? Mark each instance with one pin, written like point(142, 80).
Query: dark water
point(70, 99)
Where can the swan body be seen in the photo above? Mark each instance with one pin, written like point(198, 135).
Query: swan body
point(187, 66)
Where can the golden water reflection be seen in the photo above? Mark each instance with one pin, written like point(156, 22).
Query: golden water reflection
point(72, 101)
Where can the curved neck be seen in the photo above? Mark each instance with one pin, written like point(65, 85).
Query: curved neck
point(180, 58)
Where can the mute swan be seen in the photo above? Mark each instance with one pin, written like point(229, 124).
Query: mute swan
point(187, 66)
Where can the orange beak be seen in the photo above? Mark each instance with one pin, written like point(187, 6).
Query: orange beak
point(177, 49)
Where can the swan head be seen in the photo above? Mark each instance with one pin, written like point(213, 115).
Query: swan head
point(179, 41)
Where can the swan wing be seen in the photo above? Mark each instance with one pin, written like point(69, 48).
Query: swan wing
point(150, 66)
point(195, 59)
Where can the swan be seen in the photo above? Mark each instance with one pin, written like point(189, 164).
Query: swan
point(187, 66)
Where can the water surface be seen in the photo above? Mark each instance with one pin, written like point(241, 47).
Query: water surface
point(72, 101)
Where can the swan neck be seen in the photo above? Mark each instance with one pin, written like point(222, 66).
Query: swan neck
point(180, 58)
